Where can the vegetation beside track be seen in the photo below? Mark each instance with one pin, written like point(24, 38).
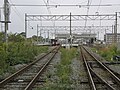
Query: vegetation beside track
point(107, 52)
point(63, 71)
point(17, 51)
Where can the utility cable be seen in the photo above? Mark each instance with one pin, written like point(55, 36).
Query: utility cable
point(49, 12)
point(97, 11)
point(17, 13)
point(99, 6)
point(64, 5)
point(47, 6)
point(89, 3)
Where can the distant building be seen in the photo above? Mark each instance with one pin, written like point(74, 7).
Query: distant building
point(76, 38)
point(109, 38)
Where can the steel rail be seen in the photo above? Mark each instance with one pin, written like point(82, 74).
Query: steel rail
point(16, 74)
point(100, 79)
point(33, 81)
point(116, 73)
point(106, 68)
point(91, 83)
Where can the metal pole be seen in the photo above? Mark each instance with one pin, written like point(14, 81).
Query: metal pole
point(45, 36)
point(6, 24)
point(54, 28)
point(26, 25)
point(105, 37)
point(41, 39)
point(116, 29)
point(48, 35)
point(70, 25)
point(98, 35)
point(37, 33)
point(70, 33)
point(0, 20)
point(112, 29)
point(112, 33)
point(40, 36)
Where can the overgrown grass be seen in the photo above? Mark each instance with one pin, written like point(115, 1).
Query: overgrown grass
point(108, 52)
point(63, 71)
point(64, 68)
point(18, 53)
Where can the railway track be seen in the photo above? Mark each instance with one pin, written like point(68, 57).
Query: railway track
point(26, 78)
point(100, 77)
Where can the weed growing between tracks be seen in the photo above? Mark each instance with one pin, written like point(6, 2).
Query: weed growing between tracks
point(63, 71)
point(18, 53)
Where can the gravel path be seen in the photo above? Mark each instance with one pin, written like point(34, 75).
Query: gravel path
point(115, 68)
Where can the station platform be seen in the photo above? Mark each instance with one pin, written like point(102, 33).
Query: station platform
point(67, 45)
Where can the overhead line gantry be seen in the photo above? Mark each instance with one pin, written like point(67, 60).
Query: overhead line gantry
point(102, 17)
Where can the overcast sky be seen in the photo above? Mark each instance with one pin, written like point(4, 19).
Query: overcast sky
point(17, 13)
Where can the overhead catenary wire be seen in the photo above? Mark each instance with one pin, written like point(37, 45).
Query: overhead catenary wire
point(47, 6)
point(98, 9)
point(99, 6)
point(97, 12)
point(17, 13)
point(87, 13)
point(89, 3)
point(53, 2)
point(64, 5)
point(49, 12)
point(82, 2)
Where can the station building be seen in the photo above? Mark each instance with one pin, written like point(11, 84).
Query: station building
point(83, 38)
point(109, 38)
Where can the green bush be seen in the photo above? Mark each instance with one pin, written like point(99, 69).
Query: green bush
point(3, 64)
point(18, 53)
point(23, 52)
point(17, 50)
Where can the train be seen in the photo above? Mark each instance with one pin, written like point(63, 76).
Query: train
point(54, 42)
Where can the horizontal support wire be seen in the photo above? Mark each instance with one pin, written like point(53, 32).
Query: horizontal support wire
point(67, 17)
point(63, 5)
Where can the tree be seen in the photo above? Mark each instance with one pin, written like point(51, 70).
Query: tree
point(16, 37)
